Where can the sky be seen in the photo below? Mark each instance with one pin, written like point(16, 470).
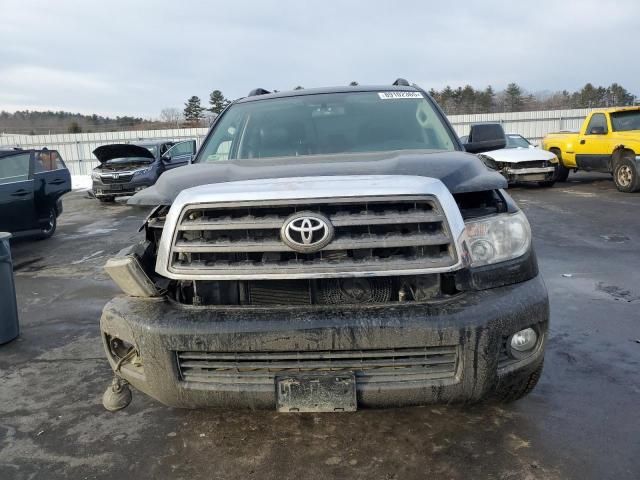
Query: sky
point(136, 57)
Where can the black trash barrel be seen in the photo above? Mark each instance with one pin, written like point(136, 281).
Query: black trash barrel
point(9, 328)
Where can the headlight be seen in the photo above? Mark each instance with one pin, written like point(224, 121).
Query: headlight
point(95, 175)
point(140, 172)
point(498, 238)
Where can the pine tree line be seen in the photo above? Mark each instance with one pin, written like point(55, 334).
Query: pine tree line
point(514, 98)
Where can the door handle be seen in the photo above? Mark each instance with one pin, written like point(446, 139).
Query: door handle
point(20, 193)
point(56, 182)
point(582, 142)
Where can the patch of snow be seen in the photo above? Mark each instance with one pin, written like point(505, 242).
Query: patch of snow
point(81, 182)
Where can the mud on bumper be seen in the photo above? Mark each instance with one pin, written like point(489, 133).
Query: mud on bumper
point(404, 354)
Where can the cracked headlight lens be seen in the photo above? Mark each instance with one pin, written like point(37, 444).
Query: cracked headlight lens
point(498, 238)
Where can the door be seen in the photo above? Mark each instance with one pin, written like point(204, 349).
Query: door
point(17, 210)
point(51, 180)
point(593, 151)
point(179, 155)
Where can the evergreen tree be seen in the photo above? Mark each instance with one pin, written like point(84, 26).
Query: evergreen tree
point(513, 98)
point(299, 87)
point(353, 84)
point(193, 110)
point(488, 99)
point(217, 102)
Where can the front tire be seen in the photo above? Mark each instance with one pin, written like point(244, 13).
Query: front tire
point(625, 175)
point(52, 223)
point(562, 172)
point(519, 387)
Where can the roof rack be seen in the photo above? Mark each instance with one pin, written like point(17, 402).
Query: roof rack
point(258, 91)
point(401, 82)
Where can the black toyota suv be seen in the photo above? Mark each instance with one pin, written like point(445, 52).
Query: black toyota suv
point(329, 249)
point(31, 185)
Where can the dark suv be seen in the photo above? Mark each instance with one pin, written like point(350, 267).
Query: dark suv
point(128, 168)
point(329, 249)
point(31, 184)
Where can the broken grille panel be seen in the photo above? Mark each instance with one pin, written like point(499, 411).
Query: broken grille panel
point(383, 234)
point(370, 366)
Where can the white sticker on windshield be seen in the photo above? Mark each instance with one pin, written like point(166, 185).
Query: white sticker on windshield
point(397, 95)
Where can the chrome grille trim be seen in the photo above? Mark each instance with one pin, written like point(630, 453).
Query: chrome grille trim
point(232, 241)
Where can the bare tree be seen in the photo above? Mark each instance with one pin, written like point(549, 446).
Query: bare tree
point(171, 115)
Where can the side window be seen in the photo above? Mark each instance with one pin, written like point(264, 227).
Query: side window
point(47, 161)
point(597, 125)
point(182, 148)
point(14, 168)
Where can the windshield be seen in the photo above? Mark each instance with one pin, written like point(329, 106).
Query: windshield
point(625, 121)
point(327, 124)
point(517, 141)
point(152, 148)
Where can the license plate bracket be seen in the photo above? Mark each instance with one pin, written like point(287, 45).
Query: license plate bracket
point(316, 393)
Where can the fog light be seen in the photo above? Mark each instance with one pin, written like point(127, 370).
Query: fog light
point(524, 340)
point(119, 348)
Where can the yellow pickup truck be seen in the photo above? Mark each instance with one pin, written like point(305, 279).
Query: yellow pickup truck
point(609, 141)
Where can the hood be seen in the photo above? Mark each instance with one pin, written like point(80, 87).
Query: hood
point(121, 150)
point(517, 155)
point(460, 172)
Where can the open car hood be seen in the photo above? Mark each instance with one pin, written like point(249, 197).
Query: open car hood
point(459, 171)
point(121, 150)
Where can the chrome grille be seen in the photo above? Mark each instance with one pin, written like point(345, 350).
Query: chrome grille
point(395, 235)
point(122, 178)
point(369, 366)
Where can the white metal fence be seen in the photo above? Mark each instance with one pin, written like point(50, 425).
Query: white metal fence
point(76, 148)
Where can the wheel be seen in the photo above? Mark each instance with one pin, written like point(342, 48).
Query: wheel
point(519, 387)
point(625, 175)
point(562, 172)
point(50, 227)
point(106, 199)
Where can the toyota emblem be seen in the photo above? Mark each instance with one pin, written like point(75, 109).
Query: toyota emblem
point(307, 232)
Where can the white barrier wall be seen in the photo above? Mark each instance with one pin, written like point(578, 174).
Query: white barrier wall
point(76, 148)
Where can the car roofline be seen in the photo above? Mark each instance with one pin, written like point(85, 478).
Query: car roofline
point(329, 90)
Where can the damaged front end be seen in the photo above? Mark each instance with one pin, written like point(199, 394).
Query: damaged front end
point(524, 171)
point(413, 299)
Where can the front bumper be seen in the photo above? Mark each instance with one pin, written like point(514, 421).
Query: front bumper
point(534, 174)
point(473, 325)
point(119, 189)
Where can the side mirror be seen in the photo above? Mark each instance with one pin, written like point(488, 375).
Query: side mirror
point(597, 131)
point(166, 158)
point(485, 137)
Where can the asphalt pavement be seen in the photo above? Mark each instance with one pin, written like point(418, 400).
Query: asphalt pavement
point(581, 422)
